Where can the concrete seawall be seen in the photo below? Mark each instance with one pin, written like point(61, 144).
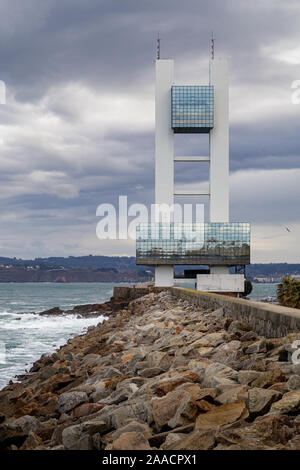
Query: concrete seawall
point(271, 321)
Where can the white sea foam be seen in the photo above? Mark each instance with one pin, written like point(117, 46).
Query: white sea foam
point(24, 337)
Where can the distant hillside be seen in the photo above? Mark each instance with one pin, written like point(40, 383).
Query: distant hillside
point(109, 269)
point(272, 269)
point(121, 263)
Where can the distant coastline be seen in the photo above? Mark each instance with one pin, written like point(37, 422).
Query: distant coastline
point(14, 274)
point(115, 269)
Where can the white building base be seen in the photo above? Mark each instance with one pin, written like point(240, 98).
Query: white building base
point(164, 276)
point(220, 282)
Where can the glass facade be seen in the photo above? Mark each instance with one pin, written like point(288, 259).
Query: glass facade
point(192, 109)
point(193, 243)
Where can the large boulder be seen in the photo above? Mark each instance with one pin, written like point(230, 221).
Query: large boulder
point(197, 440)
point(177, 407)
point(170, 383)
point(16, 432)
point(232, 394)
point(69, 400)
point(293, 383)
point(222, 415)
point(266, 379)
point(216, 372)
point(87, 409)
point(140, 410)
point(265, 431)
point(289, 404)
point(73, 439)
point(133, 426)
point(260, 400)
point(130, 441)
point(26, 424)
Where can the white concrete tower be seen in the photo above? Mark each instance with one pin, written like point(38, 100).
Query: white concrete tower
point(219, 148)
point(164, 152)
point(194, 109)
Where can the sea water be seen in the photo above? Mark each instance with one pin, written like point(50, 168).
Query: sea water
point(25, 336)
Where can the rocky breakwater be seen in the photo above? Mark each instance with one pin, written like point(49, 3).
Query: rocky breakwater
point(158, 374)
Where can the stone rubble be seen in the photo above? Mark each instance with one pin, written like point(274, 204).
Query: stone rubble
point(158, 374)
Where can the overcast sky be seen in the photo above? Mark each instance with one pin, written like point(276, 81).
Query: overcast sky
point(78, 126)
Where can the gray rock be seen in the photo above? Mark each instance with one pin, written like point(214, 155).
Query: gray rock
point(260, 400)
point(171, 439)
point(141, 410)
point(130, 441)
point(118, 396)
point(47, 372)
point(95, 426)
point(232, 394)
point(293, 383)
point(216, 373)
point(69, 400)
point(245, 377)
point(133, 426)
point(151, 372)
point(257, 347)
point(73, 439)
point(112, 372)
point(26, 424)
point(70, 437)
point(236, 327)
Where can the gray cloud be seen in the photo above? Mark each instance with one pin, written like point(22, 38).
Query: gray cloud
point(78, 127)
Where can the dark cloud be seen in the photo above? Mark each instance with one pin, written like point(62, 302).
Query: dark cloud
point(78, 127)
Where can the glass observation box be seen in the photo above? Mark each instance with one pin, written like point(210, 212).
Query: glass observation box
point(193, 243)
point(192, 109)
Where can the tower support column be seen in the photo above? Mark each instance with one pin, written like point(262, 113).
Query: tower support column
point(219, 147)
point(164, 152)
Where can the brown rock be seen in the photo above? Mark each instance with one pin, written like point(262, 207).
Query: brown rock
point(233, 394)
point(151, 372)
point(294, 443)
point(290, 403)
point(130, 441)
point(224, 414)
point(197, 440)
point(87, 409)
point(171, 439)
point(268, 378)
point(265, 430)
point(32, 442)
point(204, 405)
point(133, 426)
point(170, 383)
point(246, 377)
point(278, 387)
point(260, 400)
point(177, 407)
point(217, 373)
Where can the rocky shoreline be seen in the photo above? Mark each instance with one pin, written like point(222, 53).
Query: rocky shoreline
point(157, 374)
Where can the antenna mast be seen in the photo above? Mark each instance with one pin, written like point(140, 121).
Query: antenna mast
point(212, 46)
point(158, 47)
